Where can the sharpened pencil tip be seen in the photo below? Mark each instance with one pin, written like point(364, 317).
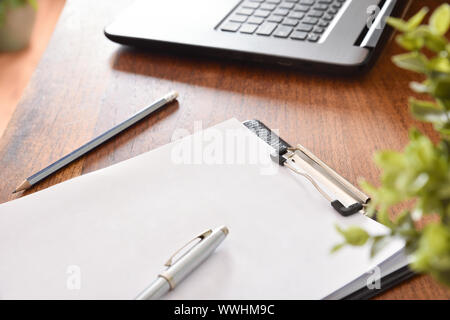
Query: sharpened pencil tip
point(23, 186)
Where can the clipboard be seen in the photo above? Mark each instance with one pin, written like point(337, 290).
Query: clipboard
point(290, 157)
point(123, 230)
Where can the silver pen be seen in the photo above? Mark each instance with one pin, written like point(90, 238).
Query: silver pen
point(178, 270)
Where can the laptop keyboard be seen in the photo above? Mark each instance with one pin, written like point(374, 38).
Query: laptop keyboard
point(301, 20)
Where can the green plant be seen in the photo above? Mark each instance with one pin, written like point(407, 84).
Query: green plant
point(6, 4)
point(419, 177)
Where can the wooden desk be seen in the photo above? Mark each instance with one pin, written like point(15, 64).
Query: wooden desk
point(17, 67)
point(85, 84)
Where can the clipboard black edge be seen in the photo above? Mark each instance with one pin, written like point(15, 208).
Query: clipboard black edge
point(266, 134)
point(388, 281)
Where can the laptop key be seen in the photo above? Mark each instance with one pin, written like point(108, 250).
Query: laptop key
point(296, 15)
point(304, 27)
point(299, 35)
point(318, 30)
point(274, 18)
point(301, 8)
point(321, 7)
point(332, 11)
point(248, 28)
point(310, 20)
point(251, 5)
point(281, 12)
point(307, 2)
point(268, 6)
point(238, 18)
point(262, 13)
point(266, 28)
point(287, 5)
point(313, 37)
point(289, 22)
point(273, 1)
point(315, 13)
point(282, 32)
point(328, 17)
point(323, 24)
point(230, 26)
point(255, 20)
point(245, 11)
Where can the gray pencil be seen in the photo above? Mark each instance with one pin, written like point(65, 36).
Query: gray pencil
point(35, 178)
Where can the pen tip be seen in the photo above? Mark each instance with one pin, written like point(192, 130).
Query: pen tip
point(225, 230)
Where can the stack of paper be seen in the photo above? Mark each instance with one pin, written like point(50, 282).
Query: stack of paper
point(107, 234)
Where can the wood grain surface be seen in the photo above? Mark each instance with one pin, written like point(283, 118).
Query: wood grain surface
point(85, 84)
point(16, 68)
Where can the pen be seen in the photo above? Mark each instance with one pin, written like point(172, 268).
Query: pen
point(180, 269)
point(55, 166)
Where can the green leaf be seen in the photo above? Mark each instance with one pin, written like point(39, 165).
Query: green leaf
point(405, 226)
point(14, 3)
point(440, 19)
point(338, 247)
point(6, 4)
point(389, 160)
point(354, 236)
point(414, 61)
point(434, 42)
point(419, 87)
point(378, 244)
point(383, 217)
point(410, 42)
point(427, 111)
point(398, 24)
point(440, 64)
point(401, 218)
point(33, 3)
point(366, 186)
point(417, 19)
point(411, 24)
point(440, 87)
point(422, 36)
point(433, 253)
point(2, 13)
point(414, 134)
point(444, 103)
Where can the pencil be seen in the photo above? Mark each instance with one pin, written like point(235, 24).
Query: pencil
point(55, 166)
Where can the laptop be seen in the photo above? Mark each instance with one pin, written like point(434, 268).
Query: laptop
point(319, 35)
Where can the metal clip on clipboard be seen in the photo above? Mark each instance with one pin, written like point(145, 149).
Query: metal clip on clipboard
point(290, 157)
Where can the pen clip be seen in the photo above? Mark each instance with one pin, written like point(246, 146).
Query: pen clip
point(201, 236)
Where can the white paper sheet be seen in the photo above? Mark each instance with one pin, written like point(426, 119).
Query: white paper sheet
point(107, 234)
